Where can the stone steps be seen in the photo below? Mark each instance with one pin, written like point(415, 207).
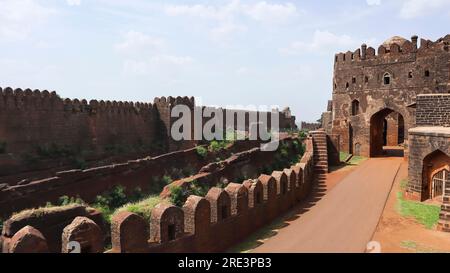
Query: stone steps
point(320, 155)
point(444, 215)
point(444, 225)
point(445, 207)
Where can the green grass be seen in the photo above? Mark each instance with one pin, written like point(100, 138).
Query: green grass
point(419, 248)
point(427, 215)
point(356, 160)
point(142, 208)
point(343, 156)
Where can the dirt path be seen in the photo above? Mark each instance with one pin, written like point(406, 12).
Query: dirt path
point(404, 234)
point(345, 218)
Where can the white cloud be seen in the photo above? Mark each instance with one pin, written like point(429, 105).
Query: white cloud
point(323, 42)
point(19, 17)
point(137, 42)
point(144, 54)
point(155, 64)
point(265, 12)
point(373, 2)
point(225, 31)
point(242, 71)
point(229, 16)
point(260, 11)
point(73, 2)
point(417, 8)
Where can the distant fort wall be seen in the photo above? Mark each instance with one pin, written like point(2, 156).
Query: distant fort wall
point(39, 129)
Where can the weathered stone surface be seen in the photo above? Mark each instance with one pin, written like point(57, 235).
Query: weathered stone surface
point(28, 240)
point(129, 233)
point(84, 231)
point(167, 223)
point(370, 88)
point(427, 153)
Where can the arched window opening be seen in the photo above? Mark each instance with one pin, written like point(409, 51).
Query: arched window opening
point(354, 80)
point(387, 79)
point(366, 79)
point(438, 183)
point(427, 73)
point(410, 75)
point(355, 108)
point(347, 85)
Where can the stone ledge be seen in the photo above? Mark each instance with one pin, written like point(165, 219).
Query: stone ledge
point(431, 131)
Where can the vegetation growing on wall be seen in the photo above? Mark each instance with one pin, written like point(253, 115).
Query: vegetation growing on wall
point(178, 195)
point(284, 157)
point(2, 147)
point(201, 151)
point(142, 208)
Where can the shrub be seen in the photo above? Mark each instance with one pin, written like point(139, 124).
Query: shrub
point(79, 163)
point(303, 134)
point(113, 198)
point(2, 147)
point(53, 150)
point(109, 201)
point(158, 183)
point(201, 151)
point(187, 171)
point(177, 196)
point(216, 146)
point(136, 195)
point(166, 179)
point(66, 200)
point(198, 188)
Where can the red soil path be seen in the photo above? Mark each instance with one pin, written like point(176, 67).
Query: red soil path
point(345, 218)
point(399, 234)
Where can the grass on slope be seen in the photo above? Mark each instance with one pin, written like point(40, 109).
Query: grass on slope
point(427, 215)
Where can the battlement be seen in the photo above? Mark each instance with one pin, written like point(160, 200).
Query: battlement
point(171, 101)
point(21, 99)
point(232, 213)
point(395, 47)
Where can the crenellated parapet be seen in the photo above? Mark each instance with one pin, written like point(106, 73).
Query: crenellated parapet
point(394, 47)
point(233, 213)
point(13, 99)
point(369, 81)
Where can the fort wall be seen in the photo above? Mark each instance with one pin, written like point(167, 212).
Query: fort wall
point(89, 183)
point(40, 131)
point(203, 224)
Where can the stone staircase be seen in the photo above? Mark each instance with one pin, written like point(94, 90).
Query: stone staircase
point(320, 155)
point(444, 215)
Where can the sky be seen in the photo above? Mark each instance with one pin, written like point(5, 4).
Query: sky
point(224, 53)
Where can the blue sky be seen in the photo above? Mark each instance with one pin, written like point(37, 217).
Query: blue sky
point(227, 52)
